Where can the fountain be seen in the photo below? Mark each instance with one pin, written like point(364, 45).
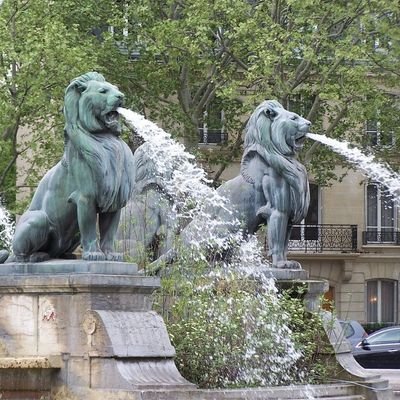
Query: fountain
point(160, 140)
point(86, 326)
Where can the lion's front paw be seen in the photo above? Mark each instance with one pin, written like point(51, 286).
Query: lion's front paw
point(39, 256)
point(287, 264)
point(264, 212)
point(21, 258)
point(111, 256)
point(93, 256)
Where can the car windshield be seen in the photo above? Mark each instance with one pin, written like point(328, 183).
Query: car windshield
point(391, 336)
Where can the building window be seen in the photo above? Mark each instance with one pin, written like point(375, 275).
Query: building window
point(378, 135)
point(212, 125)
point(381, 215)
point(309, 228)
point(300, 104)
point(329, 299)
point(382, 300)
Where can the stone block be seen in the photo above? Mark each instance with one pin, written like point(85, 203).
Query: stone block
point(127, 334)
point(95, 316)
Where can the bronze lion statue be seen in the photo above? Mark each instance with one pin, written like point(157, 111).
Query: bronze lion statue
point(91, 183)
point(148, 222)
point(272, 187)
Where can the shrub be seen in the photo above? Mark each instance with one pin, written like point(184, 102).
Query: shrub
point(230, 328)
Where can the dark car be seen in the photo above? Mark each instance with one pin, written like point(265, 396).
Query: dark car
point(353, 332)
point(381, 349)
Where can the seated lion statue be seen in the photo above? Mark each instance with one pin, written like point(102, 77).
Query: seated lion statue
point(91, 183)
point(272, 187)
point(148, 222)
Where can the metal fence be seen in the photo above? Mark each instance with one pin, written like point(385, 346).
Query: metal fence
point(212, 136)
point(323, 237)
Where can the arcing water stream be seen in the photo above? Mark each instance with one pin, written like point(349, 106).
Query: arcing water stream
point(186, 184)
point(367, 164)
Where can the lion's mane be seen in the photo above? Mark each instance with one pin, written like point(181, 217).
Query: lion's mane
point(270, 143)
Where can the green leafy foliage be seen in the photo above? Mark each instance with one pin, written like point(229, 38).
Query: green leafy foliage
point(176, 59)
point(230, 329)
point(237, 53)
point(43, 45)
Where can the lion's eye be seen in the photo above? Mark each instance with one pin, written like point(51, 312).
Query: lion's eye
point(294, 117)
point(102, 90)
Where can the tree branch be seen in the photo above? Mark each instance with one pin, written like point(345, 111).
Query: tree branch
point(233, 149)
point(331, 127)
point(7, 169)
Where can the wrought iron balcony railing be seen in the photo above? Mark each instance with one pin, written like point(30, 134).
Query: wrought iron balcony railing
point(384, 236)
point(323, 237)
point(212, 136)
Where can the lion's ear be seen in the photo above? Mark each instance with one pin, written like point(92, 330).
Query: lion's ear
point(80, 86)
point(270, 112)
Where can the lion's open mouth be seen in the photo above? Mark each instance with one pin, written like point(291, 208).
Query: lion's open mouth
point(299, 141)
point(111, 119)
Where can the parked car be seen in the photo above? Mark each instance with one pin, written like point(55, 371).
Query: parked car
point(381, 349)
point(353, 332)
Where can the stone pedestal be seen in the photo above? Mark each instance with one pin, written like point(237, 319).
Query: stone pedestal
point(89, 323)
point(313, 289)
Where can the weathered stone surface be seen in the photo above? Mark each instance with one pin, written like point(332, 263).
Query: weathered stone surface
point(27, 377)
point(30, 362)
point(146, 374)
point(126, 334)
point(285, 274)
point(337, 391)
point(130, 351)
point(69, 267)
point(100, 325)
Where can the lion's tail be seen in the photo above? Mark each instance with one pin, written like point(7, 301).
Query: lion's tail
point(3, 256)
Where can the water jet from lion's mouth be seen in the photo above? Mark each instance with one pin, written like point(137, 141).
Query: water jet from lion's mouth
point(366, 163)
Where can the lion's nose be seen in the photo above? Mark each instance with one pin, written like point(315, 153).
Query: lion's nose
point(120, 98)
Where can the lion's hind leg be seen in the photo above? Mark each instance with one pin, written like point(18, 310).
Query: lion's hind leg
point(31, 235)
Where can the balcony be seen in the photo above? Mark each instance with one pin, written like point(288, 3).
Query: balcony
point(320, 238)
point(384, 236)
point(212, 136)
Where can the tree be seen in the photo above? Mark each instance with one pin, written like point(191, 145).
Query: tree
point(239, 52)
point(176, 59)
point(43, 45)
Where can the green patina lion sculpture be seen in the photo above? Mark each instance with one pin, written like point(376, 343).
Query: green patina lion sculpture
point(149, 221)
point(93, 181)
point(272, 186)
